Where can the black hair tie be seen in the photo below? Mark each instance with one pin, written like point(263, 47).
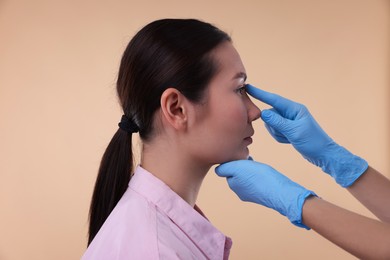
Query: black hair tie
point(128, 125)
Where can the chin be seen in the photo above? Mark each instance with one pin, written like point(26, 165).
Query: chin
point(243, 155)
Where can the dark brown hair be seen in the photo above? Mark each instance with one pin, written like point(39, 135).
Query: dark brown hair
point(165, 53)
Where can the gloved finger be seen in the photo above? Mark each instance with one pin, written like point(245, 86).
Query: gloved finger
point(223, 170)
point(279, 137)
point(280, 103)
point(230, 169)
point(276, 121)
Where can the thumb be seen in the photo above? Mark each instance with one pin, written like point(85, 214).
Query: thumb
point(223, 170)
point(274, 120)
point(229, 169)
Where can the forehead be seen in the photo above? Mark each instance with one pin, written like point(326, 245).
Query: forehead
point(228, 62)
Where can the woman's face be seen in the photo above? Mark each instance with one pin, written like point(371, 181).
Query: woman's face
point(223, 124)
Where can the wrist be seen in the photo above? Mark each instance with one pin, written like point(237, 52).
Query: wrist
point(308, 207)
point(295, 216)
point(344, 166)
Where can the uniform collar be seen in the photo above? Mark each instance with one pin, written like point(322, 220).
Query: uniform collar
point(191, 221)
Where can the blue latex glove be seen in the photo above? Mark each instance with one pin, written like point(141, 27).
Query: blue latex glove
point(259, 183)
point(291, 122)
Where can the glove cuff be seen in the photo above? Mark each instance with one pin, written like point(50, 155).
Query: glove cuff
point(344, 166)
point(295, 216)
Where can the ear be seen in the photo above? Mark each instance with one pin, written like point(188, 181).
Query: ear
point(173, 106)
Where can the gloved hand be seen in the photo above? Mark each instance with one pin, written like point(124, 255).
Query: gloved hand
point(291, 122)
point(259, 183)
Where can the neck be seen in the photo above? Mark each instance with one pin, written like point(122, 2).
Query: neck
point(181, 173)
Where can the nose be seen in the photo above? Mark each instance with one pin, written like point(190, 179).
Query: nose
point(254, 112)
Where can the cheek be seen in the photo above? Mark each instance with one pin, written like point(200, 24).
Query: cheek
point(234, 116)
point(229, 131)
point(220, 131)
point(240, 114)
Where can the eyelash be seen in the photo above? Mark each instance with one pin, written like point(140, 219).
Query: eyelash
point(242, 89)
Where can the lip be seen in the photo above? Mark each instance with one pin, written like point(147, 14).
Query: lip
point(248, 139)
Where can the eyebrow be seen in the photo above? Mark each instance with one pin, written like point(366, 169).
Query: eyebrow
point(240, 75)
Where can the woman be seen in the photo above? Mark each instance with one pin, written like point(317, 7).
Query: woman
point(181, 85)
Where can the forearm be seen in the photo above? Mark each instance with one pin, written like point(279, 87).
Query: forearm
point(372, 189)
point(361, 236)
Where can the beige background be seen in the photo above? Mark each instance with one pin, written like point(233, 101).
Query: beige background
point(58, 110)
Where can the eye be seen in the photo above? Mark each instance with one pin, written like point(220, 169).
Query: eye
point(242, 89)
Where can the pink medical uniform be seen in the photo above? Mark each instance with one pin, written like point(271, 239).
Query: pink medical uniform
point(152, 222)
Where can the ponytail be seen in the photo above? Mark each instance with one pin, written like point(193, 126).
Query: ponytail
point(112, 180)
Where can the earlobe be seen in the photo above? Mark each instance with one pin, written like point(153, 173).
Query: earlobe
point(173, 108)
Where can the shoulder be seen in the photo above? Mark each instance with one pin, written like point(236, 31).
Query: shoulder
point(129, 232)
